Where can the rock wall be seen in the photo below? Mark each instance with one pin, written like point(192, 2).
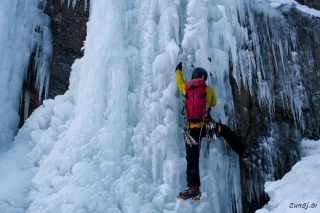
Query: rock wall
point(276, 138)
point(69, 30)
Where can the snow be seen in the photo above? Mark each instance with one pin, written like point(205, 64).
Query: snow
point(299, 189)
point(113, 142)
point(292, 3)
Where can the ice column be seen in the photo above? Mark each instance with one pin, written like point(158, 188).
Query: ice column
point(24, 30)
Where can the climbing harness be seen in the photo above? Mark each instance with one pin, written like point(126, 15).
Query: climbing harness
point(201, 132)
point(210, 130)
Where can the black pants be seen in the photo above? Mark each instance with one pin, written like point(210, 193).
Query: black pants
point(193, 177)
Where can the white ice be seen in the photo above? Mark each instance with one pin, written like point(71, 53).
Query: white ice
point(24, 29)
point(113, 142)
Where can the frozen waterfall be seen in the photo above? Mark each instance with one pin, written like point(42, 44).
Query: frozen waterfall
point(113, 143)
point(24, 30)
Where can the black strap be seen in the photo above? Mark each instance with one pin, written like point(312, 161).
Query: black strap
point(182, 112)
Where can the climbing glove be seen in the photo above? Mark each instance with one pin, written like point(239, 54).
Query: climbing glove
point(179, 66)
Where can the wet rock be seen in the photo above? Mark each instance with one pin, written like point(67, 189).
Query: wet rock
point(69, 30)
point(276, 136)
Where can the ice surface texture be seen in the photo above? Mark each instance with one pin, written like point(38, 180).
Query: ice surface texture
point(24, 30)
point(113, 142)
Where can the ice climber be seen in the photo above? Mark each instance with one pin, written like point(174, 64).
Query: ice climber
point(198, 98)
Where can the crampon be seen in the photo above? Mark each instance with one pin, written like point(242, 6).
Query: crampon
point(246, 156)
point(197, 198)
point(191, 193)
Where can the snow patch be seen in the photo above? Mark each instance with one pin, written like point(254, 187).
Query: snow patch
point(299, 189)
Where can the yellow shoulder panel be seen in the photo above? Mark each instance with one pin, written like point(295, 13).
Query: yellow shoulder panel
point(180, 82)
point(211, 97)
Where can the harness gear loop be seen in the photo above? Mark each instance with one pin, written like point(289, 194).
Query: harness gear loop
point(211, 133)
point(200, 133)
point(206, 152)
point(208, 137)
point(188, 138)
point(212, 130)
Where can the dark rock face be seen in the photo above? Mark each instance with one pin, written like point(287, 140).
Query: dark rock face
point(69, 30)
point(308, 30)
point(30, 95)
point(280, 132)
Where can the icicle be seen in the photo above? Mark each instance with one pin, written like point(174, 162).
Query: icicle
point(26, 104)
point(24, 30)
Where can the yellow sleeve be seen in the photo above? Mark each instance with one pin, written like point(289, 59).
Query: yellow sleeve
point(211, 97)
point(214, 99)
point(180, 82)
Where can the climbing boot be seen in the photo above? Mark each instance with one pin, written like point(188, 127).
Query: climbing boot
point(246, 155)
point(192, 192)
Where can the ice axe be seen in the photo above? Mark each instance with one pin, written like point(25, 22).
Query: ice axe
point(209, 60)
point(211, 77)
point(179, 53)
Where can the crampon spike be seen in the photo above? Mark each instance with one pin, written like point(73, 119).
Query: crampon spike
point(181, 198)
point(248, 153)
point(193, 199)
point(196, 198)
point(246, 160)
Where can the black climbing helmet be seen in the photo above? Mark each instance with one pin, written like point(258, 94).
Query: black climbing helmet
point(199, 73)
